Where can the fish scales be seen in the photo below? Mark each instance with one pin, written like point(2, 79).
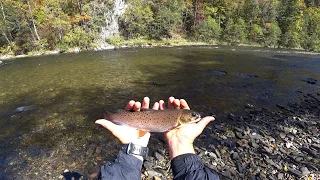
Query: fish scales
point(152, 120)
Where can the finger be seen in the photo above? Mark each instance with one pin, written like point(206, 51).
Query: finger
point(156, 106)
point(204, 122)
point(161, 105)
point(176, 104)
point(170, 102)
point(137, 106)
point(108, 125)
point(129, 105)
point(145, 103)
point(184, 104)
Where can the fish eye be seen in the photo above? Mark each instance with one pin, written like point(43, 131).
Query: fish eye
point(194, 114)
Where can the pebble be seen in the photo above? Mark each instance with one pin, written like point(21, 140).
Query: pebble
point(255, 136)
point(282, 135)
point(253, 144)
point(151, 174)
point(305, 171)
point(148, 165)
point(239, 167)
point(280, 176)
point(295, 172)
point(289, 144)
point(235, 156)
point(158, 156)
point(243, 142)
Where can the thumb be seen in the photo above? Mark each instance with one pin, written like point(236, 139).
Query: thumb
point(107, 124)
point(204, 122)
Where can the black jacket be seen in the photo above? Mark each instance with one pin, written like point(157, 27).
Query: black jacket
point(184, 167)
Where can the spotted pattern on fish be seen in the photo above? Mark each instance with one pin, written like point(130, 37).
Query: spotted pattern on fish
point(154, 120)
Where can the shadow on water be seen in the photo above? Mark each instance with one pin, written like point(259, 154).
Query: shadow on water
point(60, 134)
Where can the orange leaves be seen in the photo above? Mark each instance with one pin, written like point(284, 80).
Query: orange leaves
point(79, 19)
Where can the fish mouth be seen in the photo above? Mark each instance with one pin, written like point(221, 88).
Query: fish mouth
point(196, 120)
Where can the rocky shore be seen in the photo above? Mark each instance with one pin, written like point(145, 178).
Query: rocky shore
point(261, 145)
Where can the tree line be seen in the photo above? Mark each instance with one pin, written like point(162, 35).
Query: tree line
point(35, 25)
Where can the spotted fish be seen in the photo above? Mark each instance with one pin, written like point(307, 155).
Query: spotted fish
point(154, 120)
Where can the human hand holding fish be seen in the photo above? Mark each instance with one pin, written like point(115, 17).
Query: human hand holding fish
point(178, 122)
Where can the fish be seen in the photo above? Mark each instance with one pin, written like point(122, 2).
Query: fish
point(154, 120)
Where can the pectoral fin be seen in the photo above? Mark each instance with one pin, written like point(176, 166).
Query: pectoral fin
point(142, 133)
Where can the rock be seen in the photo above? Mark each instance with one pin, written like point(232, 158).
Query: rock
point(94, 173)
point(148, 165)
point(239, 135)
point(316, 146)
point(243, 142)
point(76, 50)
point(239, 167)
point(255, 136)
point(288, 144)
point(213, 155)
point(295, 172)
point(294, 131)
point(269, 161)
point(267, 149)
point(151, 174)
point(235, 156)
point(253, 144)
point(227, 174)
point(310, 152)
point(271, 177)
point(158, 156)
point(304, 171)
point(280, 176)
point(156, 178)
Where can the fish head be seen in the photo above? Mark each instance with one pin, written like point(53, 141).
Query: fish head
point(188, 116)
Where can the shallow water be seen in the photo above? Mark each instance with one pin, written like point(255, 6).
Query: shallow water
point(64, 94)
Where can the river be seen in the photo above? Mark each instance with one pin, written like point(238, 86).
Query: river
point(48, 104)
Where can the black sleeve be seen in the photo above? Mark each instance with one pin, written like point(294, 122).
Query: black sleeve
point(189, 167)
point(125, 167)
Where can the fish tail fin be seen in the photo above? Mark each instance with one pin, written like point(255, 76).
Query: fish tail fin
point(107, 115)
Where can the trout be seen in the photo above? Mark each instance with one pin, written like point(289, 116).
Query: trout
point(154, 120)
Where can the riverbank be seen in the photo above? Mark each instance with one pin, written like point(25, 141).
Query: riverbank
point(120, 43)
point(260, 145)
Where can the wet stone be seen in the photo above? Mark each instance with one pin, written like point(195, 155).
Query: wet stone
point(235, 156)
point(151, 174)
point(239, 167)
point(280, 176)
point(243, 143)
point(305, 171)
point(295, 172)
point(282, 135)
point(148, 165)
point(253, 144)
point(158, 156)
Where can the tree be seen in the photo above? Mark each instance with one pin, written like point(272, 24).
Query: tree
point(167, 18)
point(136, 19)
point(208, 30)
point(234, 33)
point(272, 34)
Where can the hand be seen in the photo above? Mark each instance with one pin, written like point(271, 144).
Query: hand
point(180, 140)
point(126, 134)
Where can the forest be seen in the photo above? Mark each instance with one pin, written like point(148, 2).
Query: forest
point(36, 25)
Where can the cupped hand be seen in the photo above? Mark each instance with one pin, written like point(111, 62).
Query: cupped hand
point(180, 140)
point(126, 134)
